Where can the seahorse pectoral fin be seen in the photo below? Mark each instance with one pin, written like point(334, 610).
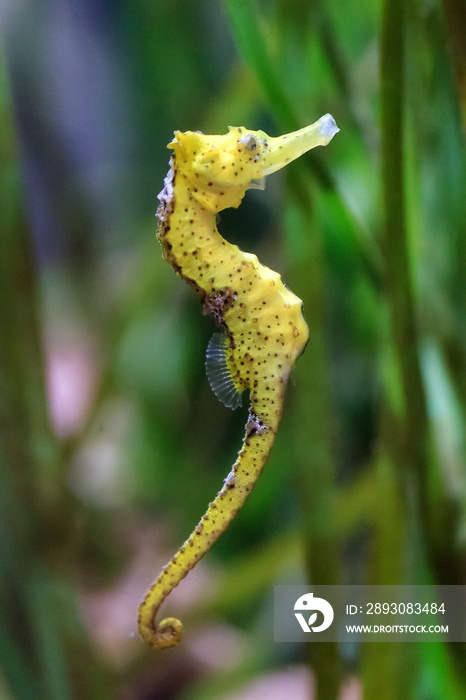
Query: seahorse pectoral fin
point(219, 372)
point(288, 147)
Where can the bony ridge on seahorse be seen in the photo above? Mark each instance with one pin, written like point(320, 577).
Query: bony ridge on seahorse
point(263, 329)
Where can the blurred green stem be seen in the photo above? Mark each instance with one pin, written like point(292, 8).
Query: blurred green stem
point(405, 436)
point(403, 422)
point(409, 454)
point(397, 278)
point(455, 17)
point(314, 462)
point(36, 559)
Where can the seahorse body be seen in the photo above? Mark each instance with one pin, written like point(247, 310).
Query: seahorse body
point(263, 327)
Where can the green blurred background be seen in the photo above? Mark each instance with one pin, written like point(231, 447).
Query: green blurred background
point(111, 441)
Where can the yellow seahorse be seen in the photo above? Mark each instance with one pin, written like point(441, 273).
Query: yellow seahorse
point(263, 327)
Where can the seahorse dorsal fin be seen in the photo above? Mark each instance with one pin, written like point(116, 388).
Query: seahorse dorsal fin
point(219, 372)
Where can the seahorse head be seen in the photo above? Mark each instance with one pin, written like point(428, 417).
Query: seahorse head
point(219, 169)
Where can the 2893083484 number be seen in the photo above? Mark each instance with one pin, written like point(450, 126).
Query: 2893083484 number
point(404, 608)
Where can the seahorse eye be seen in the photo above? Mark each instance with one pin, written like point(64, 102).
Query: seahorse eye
point(249, 141)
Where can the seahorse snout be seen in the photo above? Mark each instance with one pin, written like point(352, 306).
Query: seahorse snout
point(283, 149)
